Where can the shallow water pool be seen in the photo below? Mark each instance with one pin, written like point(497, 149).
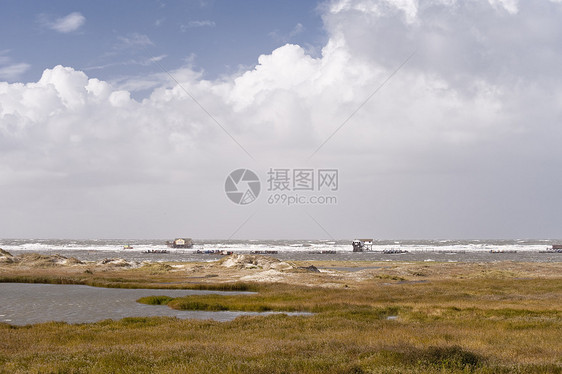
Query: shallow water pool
point(24, 303)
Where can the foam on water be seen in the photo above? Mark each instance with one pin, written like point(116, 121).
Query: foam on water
point(112, 245)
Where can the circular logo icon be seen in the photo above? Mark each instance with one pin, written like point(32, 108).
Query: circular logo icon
point(242, 186)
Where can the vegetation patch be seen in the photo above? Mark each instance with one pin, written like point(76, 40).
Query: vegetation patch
point(235, 287)
point(41, 279)
point(155, 300)
point(448, 358)
point(197, 305)
point(156, 268)
point(377, 325)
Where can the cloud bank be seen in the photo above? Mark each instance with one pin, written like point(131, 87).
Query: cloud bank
point(460, 142)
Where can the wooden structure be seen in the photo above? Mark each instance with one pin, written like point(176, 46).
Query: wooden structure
point(180, 243)
point(362, 245)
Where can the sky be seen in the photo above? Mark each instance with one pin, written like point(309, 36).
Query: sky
point(335, 119)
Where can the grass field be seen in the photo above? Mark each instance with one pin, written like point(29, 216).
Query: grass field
point(492, 322)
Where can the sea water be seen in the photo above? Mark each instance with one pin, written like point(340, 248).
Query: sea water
point(414, 250)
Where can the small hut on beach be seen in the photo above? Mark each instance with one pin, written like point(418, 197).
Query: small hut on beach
point(180, 243)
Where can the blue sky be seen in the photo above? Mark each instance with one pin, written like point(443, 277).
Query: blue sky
point(114, 39)
point(442, 117)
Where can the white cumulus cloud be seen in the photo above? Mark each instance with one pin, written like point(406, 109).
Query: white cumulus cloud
point(459, 142)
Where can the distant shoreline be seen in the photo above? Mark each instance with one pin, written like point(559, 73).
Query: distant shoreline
point(191, 255)
point(123, 272)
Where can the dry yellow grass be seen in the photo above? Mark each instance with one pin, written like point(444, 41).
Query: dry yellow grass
point(390, 317)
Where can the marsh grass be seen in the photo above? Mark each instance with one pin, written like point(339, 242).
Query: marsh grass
point(89, 278)
point(155, 300)
point(40, 279)
point(382, 325)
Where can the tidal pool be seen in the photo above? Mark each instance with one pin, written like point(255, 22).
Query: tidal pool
point(24, 303)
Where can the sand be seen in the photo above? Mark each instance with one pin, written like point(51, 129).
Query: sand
point(268, 269)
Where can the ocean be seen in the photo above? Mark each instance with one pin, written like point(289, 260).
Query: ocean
point(405, 250)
